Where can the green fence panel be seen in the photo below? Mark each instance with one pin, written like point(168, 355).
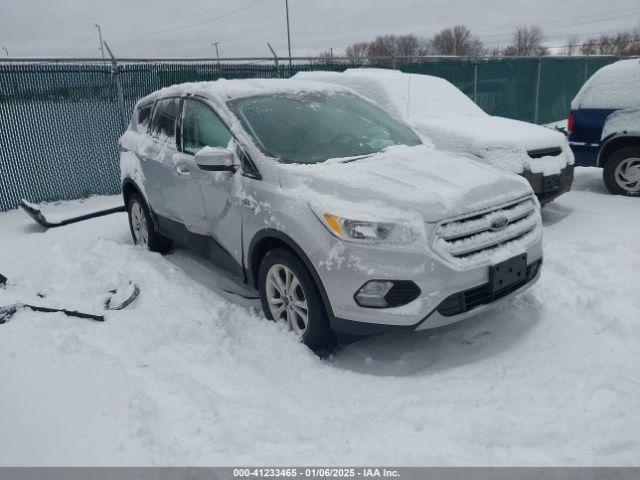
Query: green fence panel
point(58, 131)
point(458, 72)
point(59, 123)
point(506, 87)
point(560, 81)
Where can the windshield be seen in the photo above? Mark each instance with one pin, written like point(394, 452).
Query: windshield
point(313, 127)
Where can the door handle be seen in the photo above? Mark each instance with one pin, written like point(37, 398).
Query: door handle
point(183, 171)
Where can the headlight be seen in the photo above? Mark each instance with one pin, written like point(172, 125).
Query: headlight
point(346, 228)
point(349, 229)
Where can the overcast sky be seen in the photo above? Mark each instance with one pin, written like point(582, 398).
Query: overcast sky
point(66, 27)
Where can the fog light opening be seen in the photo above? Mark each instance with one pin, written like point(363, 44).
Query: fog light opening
point(373, 293)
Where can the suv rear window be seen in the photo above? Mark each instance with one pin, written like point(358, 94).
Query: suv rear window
point(163, 125)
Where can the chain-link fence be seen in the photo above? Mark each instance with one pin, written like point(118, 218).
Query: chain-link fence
point(60, 120)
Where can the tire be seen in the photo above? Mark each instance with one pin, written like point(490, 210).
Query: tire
point(142, 227)
point(315, 333)
point(621, 173)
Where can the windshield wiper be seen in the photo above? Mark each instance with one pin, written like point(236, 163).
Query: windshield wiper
point(353, 159)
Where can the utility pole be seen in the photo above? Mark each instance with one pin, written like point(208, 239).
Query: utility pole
point(6, 52)
point(286, 2)
point(215, 45)
point(100, 37)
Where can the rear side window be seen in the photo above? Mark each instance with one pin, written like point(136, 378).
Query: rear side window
point(143, 117)
point(163, 125)
point(201, 127)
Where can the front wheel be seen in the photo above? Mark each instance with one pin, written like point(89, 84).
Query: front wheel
point(289, 294)
point(622, 172)
point(141, 225)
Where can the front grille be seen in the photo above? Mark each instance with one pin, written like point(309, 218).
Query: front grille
point(545, 152)
point(468, 300)
point(470, 238)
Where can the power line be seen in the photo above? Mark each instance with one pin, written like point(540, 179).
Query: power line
point(582, 34)
point(568, 25)
point(79, 44)
point(185, 27)
point(185, 17)
point(547, 22)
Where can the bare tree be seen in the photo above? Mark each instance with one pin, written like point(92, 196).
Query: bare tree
point(394, 45)
point(589, 47)
point(358, 53)
point(634, 44)
point(325, 58)
point(407, 46)
point(527, 42)
point(495, 51)
point(571, 47)
point(457, 41)
point(619, 44)
point(425, 47)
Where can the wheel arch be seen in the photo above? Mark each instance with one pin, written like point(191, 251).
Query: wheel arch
point(129, 187)
point(269, 239)
point(615, 143)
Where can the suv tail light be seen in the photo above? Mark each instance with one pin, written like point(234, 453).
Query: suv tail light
point(570, 123)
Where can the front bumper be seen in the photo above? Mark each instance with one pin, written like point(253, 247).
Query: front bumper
point(349, 267)
point(444, 313)
point(550, 187)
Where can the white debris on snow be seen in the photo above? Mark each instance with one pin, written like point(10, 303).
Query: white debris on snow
point(188, 375)
point(612, 87)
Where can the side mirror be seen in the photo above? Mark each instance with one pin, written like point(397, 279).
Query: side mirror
point(215, 159)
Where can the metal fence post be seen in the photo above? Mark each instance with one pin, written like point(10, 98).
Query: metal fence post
point(537, 105)
point(115, 74)
point(475, 80)
point(275, 59)
point(586, 69)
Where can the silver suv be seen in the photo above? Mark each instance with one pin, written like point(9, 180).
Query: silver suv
point(335, 212)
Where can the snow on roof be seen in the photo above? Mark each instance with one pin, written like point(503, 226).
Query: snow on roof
point(224, 90)
point(410, 96)
point(614, 86)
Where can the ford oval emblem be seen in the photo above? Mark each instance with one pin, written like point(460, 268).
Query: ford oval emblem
point(499, 223)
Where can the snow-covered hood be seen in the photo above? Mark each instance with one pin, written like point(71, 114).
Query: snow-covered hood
point(486, 131)
point(401, 181)
point(499, 141)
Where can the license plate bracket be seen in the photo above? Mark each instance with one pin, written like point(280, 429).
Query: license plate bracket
point(508, 273)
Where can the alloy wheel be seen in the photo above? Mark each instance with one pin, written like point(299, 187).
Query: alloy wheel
point(139, 224)
point(286, 298)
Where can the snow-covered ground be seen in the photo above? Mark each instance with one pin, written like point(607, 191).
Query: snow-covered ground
point(191, 375)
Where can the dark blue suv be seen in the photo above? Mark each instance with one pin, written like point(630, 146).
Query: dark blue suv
point(604, 126)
